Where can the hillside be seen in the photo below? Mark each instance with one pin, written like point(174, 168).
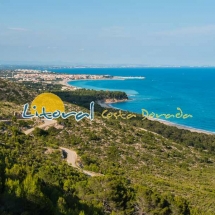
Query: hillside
point(12, 98)
point(170, 172)
point(12, 92)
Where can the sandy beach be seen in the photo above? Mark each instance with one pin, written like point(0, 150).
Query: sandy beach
point(65, 82)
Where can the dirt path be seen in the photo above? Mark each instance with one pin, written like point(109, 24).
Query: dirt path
point(9, 120)
point(45, 124)
point(71, 155)
point(71, 160)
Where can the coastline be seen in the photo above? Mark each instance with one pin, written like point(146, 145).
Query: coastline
point(107, 104)
point(182, 126)
point(65, 82)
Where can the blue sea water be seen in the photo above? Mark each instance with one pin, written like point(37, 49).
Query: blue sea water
point(162, 91)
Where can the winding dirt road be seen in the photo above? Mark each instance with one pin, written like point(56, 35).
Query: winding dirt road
point(71, 155)
point(46, 123)
point(71, 160)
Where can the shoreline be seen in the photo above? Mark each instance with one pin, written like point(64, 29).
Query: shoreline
point(182, 126)
point(106, 104)
point(65, 82)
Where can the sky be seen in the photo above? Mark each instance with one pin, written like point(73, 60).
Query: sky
point(110, 32)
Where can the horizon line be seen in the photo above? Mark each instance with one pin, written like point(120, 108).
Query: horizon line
point(104, 65)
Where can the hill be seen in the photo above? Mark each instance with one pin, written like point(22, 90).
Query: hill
point(12, 98)
point(12, 92)
point(147, 167)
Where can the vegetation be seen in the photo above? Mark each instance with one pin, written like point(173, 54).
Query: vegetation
point(42, 86)
point(32, 181)
point(11, 92)
point(169, 172)
point(83, 97)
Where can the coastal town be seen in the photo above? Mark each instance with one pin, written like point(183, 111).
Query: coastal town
point(48, 77)
point(38, 75)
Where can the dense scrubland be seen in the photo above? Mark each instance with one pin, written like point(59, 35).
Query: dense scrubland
point(148, 167)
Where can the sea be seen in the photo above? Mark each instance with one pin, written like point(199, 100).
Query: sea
point(162, 91)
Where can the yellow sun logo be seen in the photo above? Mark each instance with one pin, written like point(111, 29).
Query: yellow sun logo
point(49, 101)
point(50, 106)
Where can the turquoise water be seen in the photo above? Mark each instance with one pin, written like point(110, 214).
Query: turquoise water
point(162, 91)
